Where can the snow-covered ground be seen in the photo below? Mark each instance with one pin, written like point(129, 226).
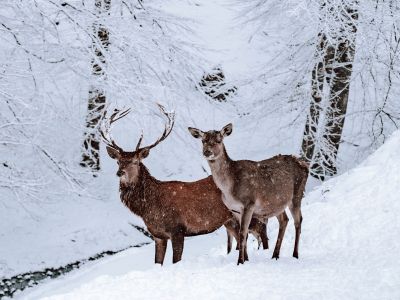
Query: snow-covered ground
point(350, 249)
point(349, 246)
point(56, 234)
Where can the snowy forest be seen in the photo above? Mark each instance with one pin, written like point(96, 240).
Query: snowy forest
point(96, 95)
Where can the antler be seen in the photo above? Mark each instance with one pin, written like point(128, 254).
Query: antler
point(107, 124)
point(139, 142)
point(167, 130)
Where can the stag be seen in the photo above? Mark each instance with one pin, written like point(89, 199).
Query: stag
point(170, 209)
point(256, 189)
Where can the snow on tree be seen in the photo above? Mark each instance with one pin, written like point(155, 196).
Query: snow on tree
point(328, 61)
point(330, 85)
point(51, 53)
point(97, 97)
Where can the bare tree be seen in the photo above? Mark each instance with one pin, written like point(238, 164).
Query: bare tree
point(97, 95)
point(332, 74)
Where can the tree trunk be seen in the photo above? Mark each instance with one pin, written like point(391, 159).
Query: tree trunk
point(320, 74)
point(335, 66)
point(97, 97)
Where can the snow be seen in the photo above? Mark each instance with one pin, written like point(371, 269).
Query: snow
point(349, 249)
point(349, 246)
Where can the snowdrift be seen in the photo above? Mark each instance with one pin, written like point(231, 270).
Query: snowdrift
point(349, 249)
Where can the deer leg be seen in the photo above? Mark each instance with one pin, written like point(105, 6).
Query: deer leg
point(254, 229)
point(161, 247)
point(263, 235)
point(283, 220)
point(256, 234)
point(295, 210)
point(259, 242)
point(243, 233)
point(177, 246)
point(298, 219)
point(258, 228)
point(232, 230)
point(229, 242)
point(246, 257)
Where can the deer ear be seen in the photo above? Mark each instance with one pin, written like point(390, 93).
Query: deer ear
point(144, 152)
point(197, 133)
point(113, 153)
point(227, 130)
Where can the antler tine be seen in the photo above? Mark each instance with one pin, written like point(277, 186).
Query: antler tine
point(139, 142)
point(107, 124)
point(168, 126)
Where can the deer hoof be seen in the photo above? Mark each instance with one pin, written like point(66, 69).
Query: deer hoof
point(276, 256)
point(246, 257)
point(296, 255)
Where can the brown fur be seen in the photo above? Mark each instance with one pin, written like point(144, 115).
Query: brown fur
point(258, 190)
point(169, 207)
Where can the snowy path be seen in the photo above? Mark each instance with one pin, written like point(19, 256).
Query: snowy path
point(204, 274)
point(349, 249)
point(207, 273)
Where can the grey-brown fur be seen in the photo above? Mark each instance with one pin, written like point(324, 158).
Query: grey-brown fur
point(258, 190)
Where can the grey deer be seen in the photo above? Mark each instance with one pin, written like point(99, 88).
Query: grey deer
point(256, 189)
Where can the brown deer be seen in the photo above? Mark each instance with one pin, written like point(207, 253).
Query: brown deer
point(170, 209)
point(256, 189)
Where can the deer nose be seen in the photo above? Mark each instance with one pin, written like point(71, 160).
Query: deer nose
point(207, 153)
point(120, 173)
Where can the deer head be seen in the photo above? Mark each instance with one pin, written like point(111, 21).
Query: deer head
point(129, 162)
point(212, 140)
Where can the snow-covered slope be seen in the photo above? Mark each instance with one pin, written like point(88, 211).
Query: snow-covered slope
point(350, 249)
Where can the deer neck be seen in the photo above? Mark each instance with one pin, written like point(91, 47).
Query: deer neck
point(221, 171)
point(140, 199)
